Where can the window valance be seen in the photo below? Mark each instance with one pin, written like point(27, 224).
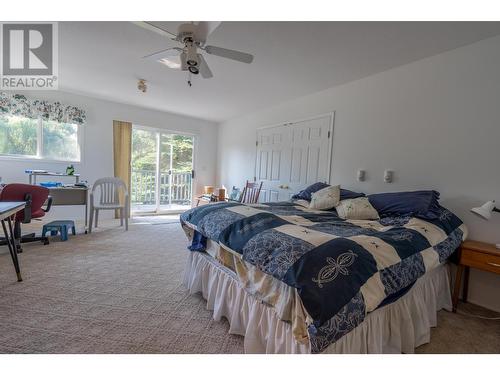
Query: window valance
point(19, 105)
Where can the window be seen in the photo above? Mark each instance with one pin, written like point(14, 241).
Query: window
point(37, 138)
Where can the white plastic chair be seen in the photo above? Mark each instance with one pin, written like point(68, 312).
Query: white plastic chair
point(108, 189)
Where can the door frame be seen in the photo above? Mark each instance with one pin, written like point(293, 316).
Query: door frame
point(285, 123)
point(195, 151)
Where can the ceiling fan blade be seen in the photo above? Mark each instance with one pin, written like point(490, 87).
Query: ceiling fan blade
point(204, 29)
point(149, 26)
point(204, 69)
point(169, 52)
point(229, 54)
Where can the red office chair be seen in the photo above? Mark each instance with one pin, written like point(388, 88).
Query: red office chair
point(35, 197)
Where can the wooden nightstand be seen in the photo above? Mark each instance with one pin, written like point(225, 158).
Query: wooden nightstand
point(480, 255)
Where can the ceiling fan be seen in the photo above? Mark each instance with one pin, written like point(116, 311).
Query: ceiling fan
point(192, 37)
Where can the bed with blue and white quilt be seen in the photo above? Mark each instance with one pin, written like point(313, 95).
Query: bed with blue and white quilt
point(294, 279)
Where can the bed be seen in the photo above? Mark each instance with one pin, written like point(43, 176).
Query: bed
point(298, 280)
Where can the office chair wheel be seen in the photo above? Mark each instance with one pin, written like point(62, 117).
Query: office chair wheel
point(45, 240)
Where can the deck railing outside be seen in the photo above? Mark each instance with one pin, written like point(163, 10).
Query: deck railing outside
point(143, 190)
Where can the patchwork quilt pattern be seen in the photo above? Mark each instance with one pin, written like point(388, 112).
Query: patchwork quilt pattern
point(342, 269)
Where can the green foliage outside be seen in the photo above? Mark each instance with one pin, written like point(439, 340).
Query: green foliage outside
point(144, 151)
point(60, 141)
point(19, 136)
point(144, 145)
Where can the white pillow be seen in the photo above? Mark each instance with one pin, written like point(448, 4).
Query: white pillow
point(325, 198)
point(301, 202)
point(357, 209)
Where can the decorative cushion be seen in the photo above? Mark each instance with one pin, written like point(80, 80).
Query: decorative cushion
point(326, 198)
point(357, 209)
point(306, 193)
point(423, 203)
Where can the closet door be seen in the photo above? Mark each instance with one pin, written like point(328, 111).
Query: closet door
point(273, 162)
point(293, 156)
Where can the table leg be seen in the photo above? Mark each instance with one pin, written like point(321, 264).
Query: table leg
point(465, 291)
point(458, 282)
point(86, 216)
point(11, 243)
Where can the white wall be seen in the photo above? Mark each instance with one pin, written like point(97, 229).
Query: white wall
point(98, 143)
point(435, 122)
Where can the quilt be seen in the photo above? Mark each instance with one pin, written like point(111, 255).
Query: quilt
point(341, 269)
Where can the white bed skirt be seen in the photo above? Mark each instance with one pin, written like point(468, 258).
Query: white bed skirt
point(395, 328)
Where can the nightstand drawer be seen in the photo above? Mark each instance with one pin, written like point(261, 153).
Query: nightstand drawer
point(486, 262)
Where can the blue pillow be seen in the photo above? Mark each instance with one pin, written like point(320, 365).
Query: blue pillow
point(422, 203)
point(349, 194)
point(306, 193)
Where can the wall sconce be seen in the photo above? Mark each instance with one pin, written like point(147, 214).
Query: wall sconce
point(388, 176)
point(361, 174)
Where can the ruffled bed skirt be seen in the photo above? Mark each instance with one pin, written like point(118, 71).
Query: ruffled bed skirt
point(395, 328)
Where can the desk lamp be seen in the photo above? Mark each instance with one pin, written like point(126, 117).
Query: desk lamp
point(485, 211)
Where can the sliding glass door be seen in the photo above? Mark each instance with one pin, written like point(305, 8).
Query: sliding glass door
point(176, 171)
point(162, 171)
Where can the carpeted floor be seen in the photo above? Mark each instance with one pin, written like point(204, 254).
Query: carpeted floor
point(119, 292)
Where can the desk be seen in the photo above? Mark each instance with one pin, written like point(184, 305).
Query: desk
point(64, 195)
point(70, 196)
point(34, 174)
point(7, 211)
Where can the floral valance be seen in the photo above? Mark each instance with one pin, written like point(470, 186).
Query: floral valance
point(19, 105)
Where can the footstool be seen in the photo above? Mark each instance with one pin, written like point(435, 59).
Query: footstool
point(59, 226)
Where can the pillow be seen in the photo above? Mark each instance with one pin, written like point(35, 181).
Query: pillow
point(422, 203)
point(349, 194)
point(326, 198)
point(357, 209)
point(301, 202)
point(306, 193)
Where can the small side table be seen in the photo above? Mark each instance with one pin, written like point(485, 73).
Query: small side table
point(479, 255)
point(207, 199)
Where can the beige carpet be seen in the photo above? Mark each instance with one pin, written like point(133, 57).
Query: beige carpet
point(119, 292)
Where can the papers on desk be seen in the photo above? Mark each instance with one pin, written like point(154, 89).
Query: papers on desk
point(50, 184)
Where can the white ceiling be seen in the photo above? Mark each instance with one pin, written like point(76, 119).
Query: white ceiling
point(292, 59)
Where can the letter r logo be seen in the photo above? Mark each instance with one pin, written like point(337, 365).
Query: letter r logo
point(27, 49)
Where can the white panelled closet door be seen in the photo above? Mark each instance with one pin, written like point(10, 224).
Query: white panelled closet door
point(293, 156)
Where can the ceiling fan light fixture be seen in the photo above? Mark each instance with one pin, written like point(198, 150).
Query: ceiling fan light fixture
point(191, 55)
point(193, 70)
point(192, 36)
